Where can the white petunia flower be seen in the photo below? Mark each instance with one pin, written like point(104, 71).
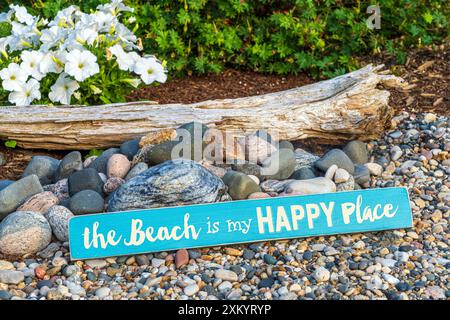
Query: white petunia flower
point(63, 89)
point(150, 70)
point(27, 92)
point(65, 17)
point(126, 61)
point(81, 64)
point(22, 14)
point(30, 63)
point(51, 62)
point(114, 7)
point(4, 43)
point(13, 77)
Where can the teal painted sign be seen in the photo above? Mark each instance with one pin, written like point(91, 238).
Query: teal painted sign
point(163, 229)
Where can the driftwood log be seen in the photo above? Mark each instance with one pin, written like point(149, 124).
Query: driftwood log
point(350, 106)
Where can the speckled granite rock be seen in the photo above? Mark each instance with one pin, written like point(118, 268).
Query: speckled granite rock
point(24, 232)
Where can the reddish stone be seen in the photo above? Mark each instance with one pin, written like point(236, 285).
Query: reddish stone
point(181, 258)
point(39, 272)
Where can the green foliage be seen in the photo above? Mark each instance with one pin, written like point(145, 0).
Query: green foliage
point(11, 144)
point(94, 152)
point(278, 36)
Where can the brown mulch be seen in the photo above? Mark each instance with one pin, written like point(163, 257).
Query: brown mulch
point(228, 85)
point(427, 71)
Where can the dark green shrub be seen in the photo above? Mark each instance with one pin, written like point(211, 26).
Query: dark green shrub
point(278, 36)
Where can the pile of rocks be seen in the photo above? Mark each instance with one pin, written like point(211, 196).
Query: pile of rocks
point(399, 264)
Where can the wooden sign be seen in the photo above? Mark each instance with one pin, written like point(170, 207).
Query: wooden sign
point(164, 229)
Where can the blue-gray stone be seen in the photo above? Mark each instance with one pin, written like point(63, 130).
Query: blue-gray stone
point(130, 148)
point(42, 166)
point(86, 202)
point(284, 144)
point(269, 259)
point(101, 162)
point(86, 179)
point(361, 175)
point(337, 157)
point(70, 163)
point(357, 152)
point(5, 295)
point(17, 193)
point(304, 173)
point(240, 185)
point(138, 168)
point(172, 183)
point(5, 183)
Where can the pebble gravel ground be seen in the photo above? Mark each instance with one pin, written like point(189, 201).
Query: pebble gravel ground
point(396, 265)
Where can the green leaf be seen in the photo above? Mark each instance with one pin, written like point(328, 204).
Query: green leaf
point(11, 144)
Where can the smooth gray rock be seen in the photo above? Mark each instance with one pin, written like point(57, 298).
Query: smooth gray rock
point(58, 218)
point(137, 169)
point(101, 162)
point(362, 174)
point(284, 144)
point(69, 164)
point(24, 232)
point(86, 179)
point(43, 167)
point(168, 151)
point(130, 148)
point(357, 152)
point(11, 276)
point(17, 193)
point(86, 202)
point(172, 183)
point(195, 129)
point(337, 157)
point(5, 183)
point(248, 168)
point(240, 185)
point(279, 165)
point(303, 173)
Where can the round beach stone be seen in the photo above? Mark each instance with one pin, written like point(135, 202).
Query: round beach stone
point(130, 148)
point(89, 161)
point(171, 183)
point(303, 173)
point(256, 148)
point(61, 189)
point(362, 174)
point(331, 171)
point(138, 168)
point(310, 186)
point(17, 193)
point(70, 163)
point(112, 184)
point(86, 179)
point(43, 167)
point(374, 168)
point(172, 150)
point(86, 202)
point(279, 165)
point(40, 202)
point(247, 168)
point(240, 185)
point(24, 232)
point(321, 274)
point(357, 152)
point(58, 218)
point(337, 157)
point(101, 162)
point(195, 130)
point(341, 175)
point(258, 195)
point(284, 144)
point(118, 166)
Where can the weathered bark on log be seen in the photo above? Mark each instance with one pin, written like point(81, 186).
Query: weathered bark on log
point(346, 107)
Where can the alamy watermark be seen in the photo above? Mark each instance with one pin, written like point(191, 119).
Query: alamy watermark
point(374, 21)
